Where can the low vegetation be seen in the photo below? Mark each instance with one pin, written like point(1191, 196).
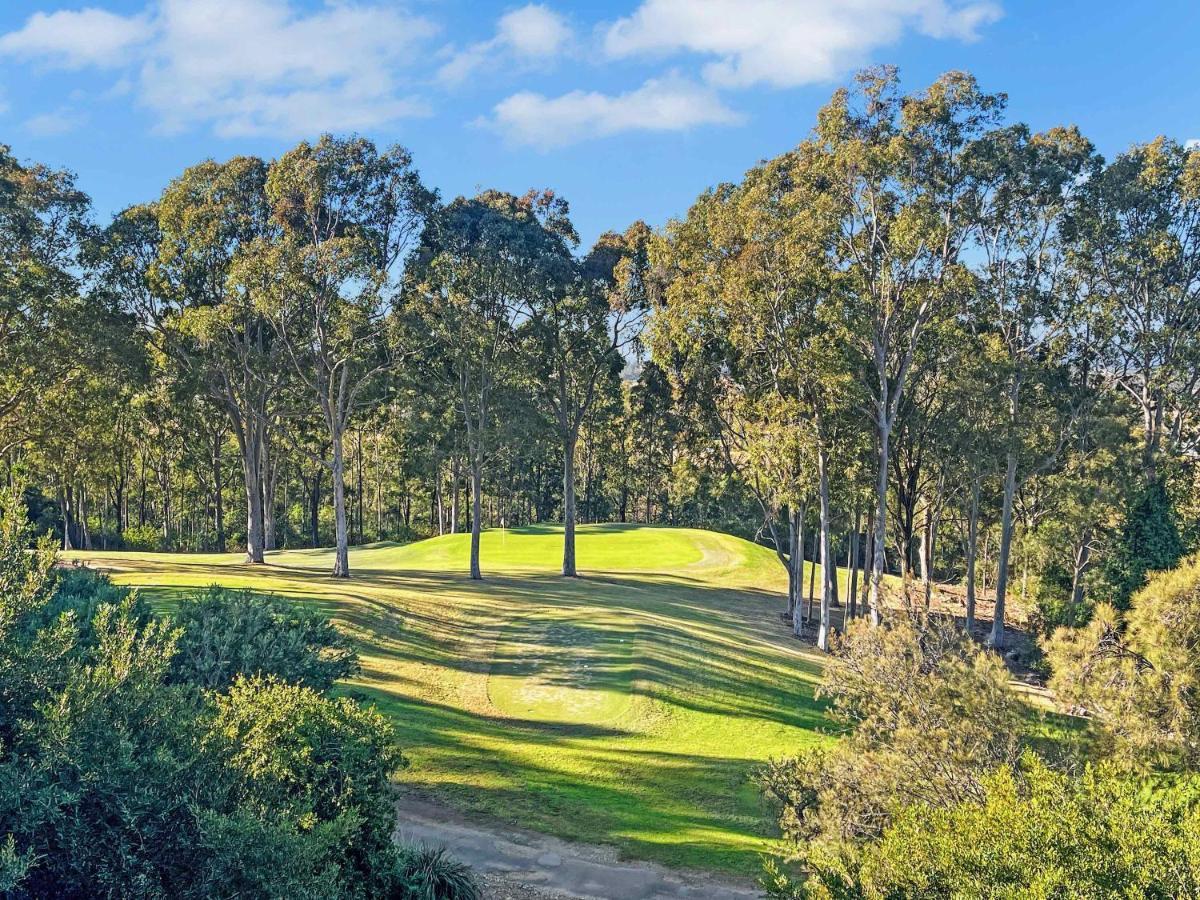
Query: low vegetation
point(125, 776)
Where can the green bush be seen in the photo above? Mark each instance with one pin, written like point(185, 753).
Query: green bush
point(1137, 673)
point(143, 537)
point(432, 874)
point(227, 634)
point(930, 714)
point(1149, 542)
point(1034, 833)
point(118, 780)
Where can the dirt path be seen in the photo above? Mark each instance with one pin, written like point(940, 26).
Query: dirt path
point(522, 865)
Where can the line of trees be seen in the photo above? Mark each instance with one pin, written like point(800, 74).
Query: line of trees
point(925, 342)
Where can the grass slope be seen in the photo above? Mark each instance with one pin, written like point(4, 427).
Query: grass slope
point(628, 707)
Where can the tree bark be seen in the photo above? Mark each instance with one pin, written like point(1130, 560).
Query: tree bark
point(828, 563)
point(568, 567)
point(926, 550)
point(1082, 558)
point(852, 563)
point(996, 639)
point(341, 563)
point(476, 512)
point(798, 607)
point(972, 553)
point(880, 528)
point(251, 469)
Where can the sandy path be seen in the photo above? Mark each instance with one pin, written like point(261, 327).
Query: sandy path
point(520, 864)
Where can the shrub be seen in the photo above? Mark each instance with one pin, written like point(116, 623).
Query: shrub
point(931, 714)
point(1033, 833)
point(116, 782)
point(143, 537)
point(1138, 672)
point(432, 874)
point(227, 634)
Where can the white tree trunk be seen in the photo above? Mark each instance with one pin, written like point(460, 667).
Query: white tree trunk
point(880, 536)
point(568, 566)
point(972, 552)
point(996, 639)
point(828, 563)
point(476, 512)
point(341, 563)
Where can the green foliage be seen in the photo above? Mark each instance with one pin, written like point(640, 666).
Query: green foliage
point(231, 633)
point(932, 715)
point(143, 537)
point(1149, 542)
point(435, 875)
point(115, 782)
point(1034, 833)
point(1137, 672)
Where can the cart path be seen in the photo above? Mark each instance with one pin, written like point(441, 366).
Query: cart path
point(518, 864)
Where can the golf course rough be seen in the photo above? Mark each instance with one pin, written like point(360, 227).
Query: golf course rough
point(627, 707)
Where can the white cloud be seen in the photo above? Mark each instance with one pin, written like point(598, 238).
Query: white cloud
point(1192, 144)
point(530, 34)
point(786, 43)
point(670, 104)
point(52, 124)
point(245, 66)
point(73, 39)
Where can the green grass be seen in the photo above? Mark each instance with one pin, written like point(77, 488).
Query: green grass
point(628, 707)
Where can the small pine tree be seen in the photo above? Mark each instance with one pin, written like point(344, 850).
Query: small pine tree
point(1149, 542)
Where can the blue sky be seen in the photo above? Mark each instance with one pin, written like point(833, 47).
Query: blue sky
point(628, 108)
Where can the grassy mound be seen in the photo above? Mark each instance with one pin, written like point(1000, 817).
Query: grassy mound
point(626, 707)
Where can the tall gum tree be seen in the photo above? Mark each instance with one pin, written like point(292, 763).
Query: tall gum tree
point(1024, 301)
point(173, 263)
point(349, 214)
point(749, 322)
point(580, 325)
point(480, 264)
point(897, 164)
point(1135, 240)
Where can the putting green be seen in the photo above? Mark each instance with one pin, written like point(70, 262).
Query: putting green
point(628, 707)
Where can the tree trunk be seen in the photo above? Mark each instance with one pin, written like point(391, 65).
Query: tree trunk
point(1082, 558)
point(314, 510)
point(64, 499)
point(251, 469)
point(852, 563)
point(341, 563)
point(798, 607)
point(793, 551)
point(828, 563)
point(972, 552)
point(438, 512)
point(268, 474)
point(996, 639)
point(568, 566)
point(926, 550)
point(218, 495)
point(476, 512)
point(880, 529)
point(456, 475)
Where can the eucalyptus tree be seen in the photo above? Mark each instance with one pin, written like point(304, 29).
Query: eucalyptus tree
point(1135, 238)
point(45, 317)
point(174, 264)
point(752, 303)
point(348, 214)
point(897, 165)
point(479, 267)
point(1024, 304)
point(579, 328)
